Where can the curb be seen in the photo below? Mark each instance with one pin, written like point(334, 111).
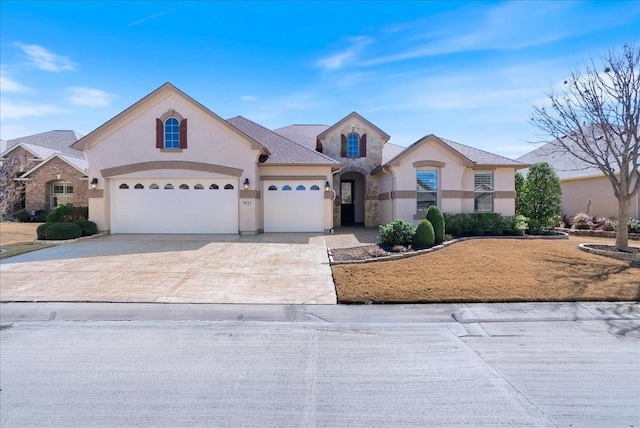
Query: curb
point(628, 257)
point(68, 241)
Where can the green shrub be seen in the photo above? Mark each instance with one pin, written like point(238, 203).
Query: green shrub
point(40, 230)
point(425, 235)
point(88, 227)
point(434, 215)
point(398, 232)
point(482, 224)
point(22, 216)
point(39, 216)
point(68, 213)
point(57, 231)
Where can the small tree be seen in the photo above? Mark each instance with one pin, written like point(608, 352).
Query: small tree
point(11, 190)
point(595, 118)
point(435, 216)
point(542, 197)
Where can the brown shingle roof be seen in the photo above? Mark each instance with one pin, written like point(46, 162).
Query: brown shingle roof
point(283, 150)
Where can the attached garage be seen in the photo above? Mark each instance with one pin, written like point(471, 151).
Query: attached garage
point(174, 205)
point(293, 206)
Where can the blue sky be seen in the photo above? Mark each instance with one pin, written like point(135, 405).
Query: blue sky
point(466, 71)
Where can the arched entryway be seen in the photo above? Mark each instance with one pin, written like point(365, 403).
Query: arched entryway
point(352, 191)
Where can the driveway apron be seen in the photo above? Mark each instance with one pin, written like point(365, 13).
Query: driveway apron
point(283, 268)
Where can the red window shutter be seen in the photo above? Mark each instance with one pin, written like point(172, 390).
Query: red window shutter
point(343, 146)
point(363, 146)
point(183, 134)
point(159, 134)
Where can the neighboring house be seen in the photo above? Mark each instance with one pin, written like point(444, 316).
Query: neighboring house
point(585, 188)
point(167, 164)
point(52, 171)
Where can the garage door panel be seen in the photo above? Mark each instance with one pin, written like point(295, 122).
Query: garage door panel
point(299, 209)
point(155, 208)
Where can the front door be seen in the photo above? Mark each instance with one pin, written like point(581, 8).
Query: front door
point(347, 209)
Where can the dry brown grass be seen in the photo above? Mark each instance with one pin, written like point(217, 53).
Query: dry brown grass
point(17, 238)
point(493, 270)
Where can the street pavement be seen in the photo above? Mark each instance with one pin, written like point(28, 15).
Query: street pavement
point(174, 365)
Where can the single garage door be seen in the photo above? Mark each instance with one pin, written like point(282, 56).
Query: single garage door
point(174, 206)
point(293, 206)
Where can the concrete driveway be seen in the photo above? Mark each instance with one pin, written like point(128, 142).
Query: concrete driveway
point(285, 268)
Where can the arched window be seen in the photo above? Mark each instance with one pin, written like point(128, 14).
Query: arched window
point(228, 186)
point(138, 186)
point(171, 133)
point(286, 187)
point(272, 187)
point(214, 187)
point(353, 145)
point(123, 186)
point(168, 186)
point(314, 187)
point(61, 193)
point(301, 187)
point(154, 186)
point(184, 186)
point(198, 187)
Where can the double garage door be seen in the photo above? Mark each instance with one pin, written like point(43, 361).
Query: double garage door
point(211, 206)
point(174, 206)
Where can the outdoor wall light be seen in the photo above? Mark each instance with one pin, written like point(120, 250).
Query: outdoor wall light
point(327, 186)
point(246, 183)
point(94, 182)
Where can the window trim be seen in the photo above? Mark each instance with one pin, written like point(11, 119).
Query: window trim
point(479, 193)
point(435, 192)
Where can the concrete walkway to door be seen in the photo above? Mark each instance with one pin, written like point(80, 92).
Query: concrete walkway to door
point(283, 268)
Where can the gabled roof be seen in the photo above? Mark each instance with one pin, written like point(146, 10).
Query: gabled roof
point(57, 140)
point(351, 115)
point(166, 88)
point(565, 165)
point(80, 164)
point(36, 151)
point(469, 155)
point(390, 151)
point(306, 135)
point(282, 149)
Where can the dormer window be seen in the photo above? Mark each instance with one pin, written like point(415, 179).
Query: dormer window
point(171, 131)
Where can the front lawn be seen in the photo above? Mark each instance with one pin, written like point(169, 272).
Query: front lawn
point(493, 270)
point(17, 238)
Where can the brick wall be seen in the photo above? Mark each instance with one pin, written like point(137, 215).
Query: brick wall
point(38, 188)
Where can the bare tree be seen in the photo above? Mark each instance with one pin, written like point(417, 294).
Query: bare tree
point(11, 190)
point(594, 118)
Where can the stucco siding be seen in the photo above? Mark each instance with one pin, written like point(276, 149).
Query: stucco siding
point(576, 195)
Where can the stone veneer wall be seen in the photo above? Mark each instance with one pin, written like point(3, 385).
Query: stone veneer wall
point(364, 165)
point(38, 191)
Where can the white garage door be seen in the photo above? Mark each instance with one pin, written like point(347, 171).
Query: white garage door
point(293, 206)
point(174, 206)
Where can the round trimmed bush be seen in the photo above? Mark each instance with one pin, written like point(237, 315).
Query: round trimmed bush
point(22, 216)
point(58, 231)
point(88, 227)
point(398, 232)
point(425, 236)
point(40, 231)
point(435, 216)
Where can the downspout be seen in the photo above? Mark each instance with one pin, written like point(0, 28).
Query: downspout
point(333, 187)
point(393, 185)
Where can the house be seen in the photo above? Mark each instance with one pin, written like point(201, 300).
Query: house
point(53, 173)
point(168, 164)
point(584, 187)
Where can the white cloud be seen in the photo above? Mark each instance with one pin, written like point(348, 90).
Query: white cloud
point(12, 110)
point(147, 18)
point(339, 60)
point(42, 59)
point(248, 98)
point(90, 97)
point(7, 84)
